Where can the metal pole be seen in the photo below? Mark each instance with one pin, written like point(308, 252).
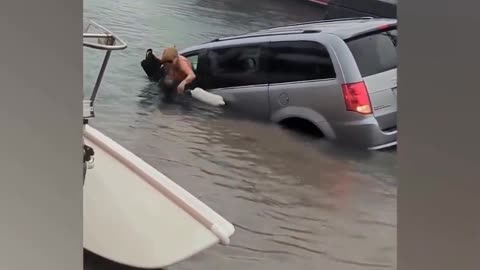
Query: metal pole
point(100, 76)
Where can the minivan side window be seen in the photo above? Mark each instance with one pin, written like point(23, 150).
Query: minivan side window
point(293, 61)
point(193, 57)
point(197, 59)
point(375, 53)
point(234, 67)
point(194, 60)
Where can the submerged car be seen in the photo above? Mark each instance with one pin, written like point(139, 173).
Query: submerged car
point(338, 75)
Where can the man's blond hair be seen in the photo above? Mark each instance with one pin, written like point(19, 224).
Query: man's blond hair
point(169, 54)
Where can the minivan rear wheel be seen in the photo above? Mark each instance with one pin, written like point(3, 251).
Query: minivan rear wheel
point(301, 125)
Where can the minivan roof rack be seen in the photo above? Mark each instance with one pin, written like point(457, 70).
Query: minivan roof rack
point(325, 21)
point(307, 31)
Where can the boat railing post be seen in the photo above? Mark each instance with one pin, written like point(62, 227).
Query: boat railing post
point(100, 76)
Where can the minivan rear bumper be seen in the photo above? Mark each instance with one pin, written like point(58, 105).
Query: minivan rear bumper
point(366, 133)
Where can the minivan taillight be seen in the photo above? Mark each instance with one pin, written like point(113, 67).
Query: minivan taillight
point(356, 97)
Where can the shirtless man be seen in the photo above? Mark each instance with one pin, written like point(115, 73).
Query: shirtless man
point(178, 71)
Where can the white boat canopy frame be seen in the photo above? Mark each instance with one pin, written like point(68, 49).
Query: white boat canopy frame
point(106, 41)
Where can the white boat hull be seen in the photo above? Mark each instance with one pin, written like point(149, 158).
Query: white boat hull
point(136, 216)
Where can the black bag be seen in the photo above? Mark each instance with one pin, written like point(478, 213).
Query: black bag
point(152, 67)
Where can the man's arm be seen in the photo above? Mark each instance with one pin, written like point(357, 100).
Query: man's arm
point(187, 68)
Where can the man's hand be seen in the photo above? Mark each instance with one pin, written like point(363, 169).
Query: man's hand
point(181, 87)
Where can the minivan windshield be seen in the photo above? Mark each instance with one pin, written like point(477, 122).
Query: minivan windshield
point(375, 53)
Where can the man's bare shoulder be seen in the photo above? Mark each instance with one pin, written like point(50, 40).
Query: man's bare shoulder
point(184, 62)
point(183, 58)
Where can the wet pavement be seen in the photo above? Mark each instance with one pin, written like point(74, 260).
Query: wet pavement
point(297, 201)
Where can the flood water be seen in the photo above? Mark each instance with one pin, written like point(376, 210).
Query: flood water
point(297, 202)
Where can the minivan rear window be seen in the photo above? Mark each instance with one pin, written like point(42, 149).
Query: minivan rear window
point(375, 53)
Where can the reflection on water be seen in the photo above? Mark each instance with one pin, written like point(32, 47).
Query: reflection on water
point(297, 202)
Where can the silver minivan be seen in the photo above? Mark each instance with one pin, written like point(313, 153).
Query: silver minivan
point(338, 75)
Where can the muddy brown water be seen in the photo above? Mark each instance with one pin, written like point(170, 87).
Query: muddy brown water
point(297, 201)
